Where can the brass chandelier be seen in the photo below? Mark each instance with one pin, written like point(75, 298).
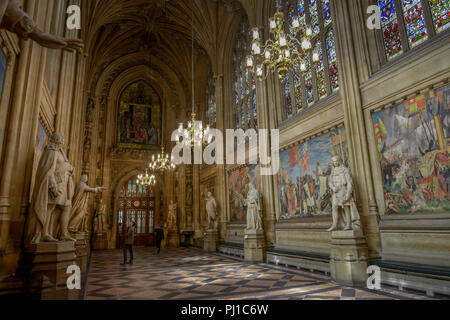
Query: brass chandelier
point(162, 162)
point(146, 179)
point(283, 52)
point(195, 135)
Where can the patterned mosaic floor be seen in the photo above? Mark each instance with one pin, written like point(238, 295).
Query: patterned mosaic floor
point(191, 274)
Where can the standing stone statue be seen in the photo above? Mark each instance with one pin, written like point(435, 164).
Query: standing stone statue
point(15, 20)
point(53, 191)
point(341, 185)
point(100, 218)
point(80, 203)
point(253, 204)
point(172, 215)
point(211, 211)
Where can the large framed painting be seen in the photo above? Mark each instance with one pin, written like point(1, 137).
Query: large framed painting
point(304, 173)
point(413, 149)
point(238, 186)
point(139, 120)
point(40, 144)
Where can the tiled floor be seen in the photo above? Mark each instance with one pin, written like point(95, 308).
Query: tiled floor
point(191, 274)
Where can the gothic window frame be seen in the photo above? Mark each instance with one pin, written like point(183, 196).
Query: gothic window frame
point(244, 82)
point(312, 71)
point(406, 46)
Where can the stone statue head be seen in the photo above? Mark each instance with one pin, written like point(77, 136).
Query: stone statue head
point(84, 178)
point(57, 139)
point(336, 161)
point(251, 186)
point(209, 194)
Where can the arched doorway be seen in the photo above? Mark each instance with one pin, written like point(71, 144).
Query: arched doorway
point(136, 203)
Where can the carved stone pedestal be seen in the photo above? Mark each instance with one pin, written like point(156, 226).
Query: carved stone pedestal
point(45, 266)
point(349, 254)
point(100, 241)
point(173, 239)
point(211, 242)
point(82, 250)
point(254, 246)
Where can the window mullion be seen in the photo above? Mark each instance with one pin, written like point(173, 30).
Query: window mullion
point(428, 18)
point(401, 25)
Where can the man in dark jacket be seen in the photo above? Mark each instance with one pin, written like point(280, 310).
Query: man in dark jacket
point(129, 240)
point(159, 237)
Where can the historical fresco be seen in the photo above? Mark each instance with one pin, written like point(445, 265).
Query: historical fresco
point(304, 173)
point(238, 181)
point(413, 150)
point(139, 121)
point(41, 142)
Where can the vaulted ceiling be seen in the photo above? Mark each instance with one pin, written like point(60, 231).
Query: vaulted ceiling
point(158, 28)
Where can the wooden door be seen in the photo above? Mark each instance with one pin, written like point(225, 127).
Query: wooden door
point(136, 203)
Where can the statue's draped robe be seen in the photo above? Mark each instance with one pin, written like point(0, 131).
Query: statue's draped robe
point(253, 207)
point(40, 199)
point(79, 207)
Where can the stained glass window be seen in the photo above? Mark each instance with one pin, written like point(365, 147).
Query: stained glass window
point(244, 82)
point(304, 88)
point(332, 61)
point(440, 10)
point(415, 28)
point(391, 31)
point(211, 101)
point(414, 21)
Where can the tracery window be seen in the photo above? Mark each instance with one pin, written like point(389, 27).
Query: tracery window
point(303, 89)
point(408, 23)
point(211, 113)
point(245, 115)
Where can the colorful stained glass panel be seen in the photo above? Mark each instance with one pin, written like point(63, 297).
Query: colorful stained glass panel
point(414, 21)
point(314, 13)
point(440, 10)
point(391, 32)
point(326, 11)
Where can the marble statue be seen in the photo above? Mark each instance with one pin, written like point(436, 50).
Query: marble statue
point(100, 218)
point(253, 204)
point(14, 19)
point(172, 215)
point(341, 186)
point(79, 214)
point(211, 211)
point(54, 190)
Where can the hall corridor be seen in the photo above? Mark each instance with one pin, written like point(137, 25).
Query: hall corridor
point(191, 274)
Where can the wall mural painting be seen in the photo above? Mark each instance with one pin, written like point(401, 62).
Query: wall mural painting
point(41, 142)
point(139, 124)
point(413, 149)
point(238, 181)
point(304, 173)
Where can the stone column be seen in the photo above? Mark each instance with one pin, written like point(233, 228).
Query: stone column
point(354, 122)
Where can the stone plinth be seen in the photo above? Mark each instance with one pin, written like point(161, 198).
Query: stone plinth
point(100, 241)
point(82, 250)
point(45, 265)
point(349, 254)
point(173, 238)
point(211, 242)
point(254, 246)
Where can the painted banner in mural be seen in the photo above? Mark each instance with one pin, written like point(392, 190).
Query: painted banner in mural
point(139, 123)
point(41, 142)
point(413, 147)
point(238, 182)
point(304, 173)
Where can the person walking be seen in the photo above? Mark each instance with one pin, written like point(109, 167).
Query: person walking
point(159, 238)
point(129, 240)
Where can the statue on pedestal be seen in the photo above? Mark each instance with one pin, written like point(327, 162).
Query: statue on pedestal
point(172, 215)
point(341, 185)
point(253, 204)
point(53, 191)
point(80, 202)
point(15, 20)
point(211, 207)
point(100, 218)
